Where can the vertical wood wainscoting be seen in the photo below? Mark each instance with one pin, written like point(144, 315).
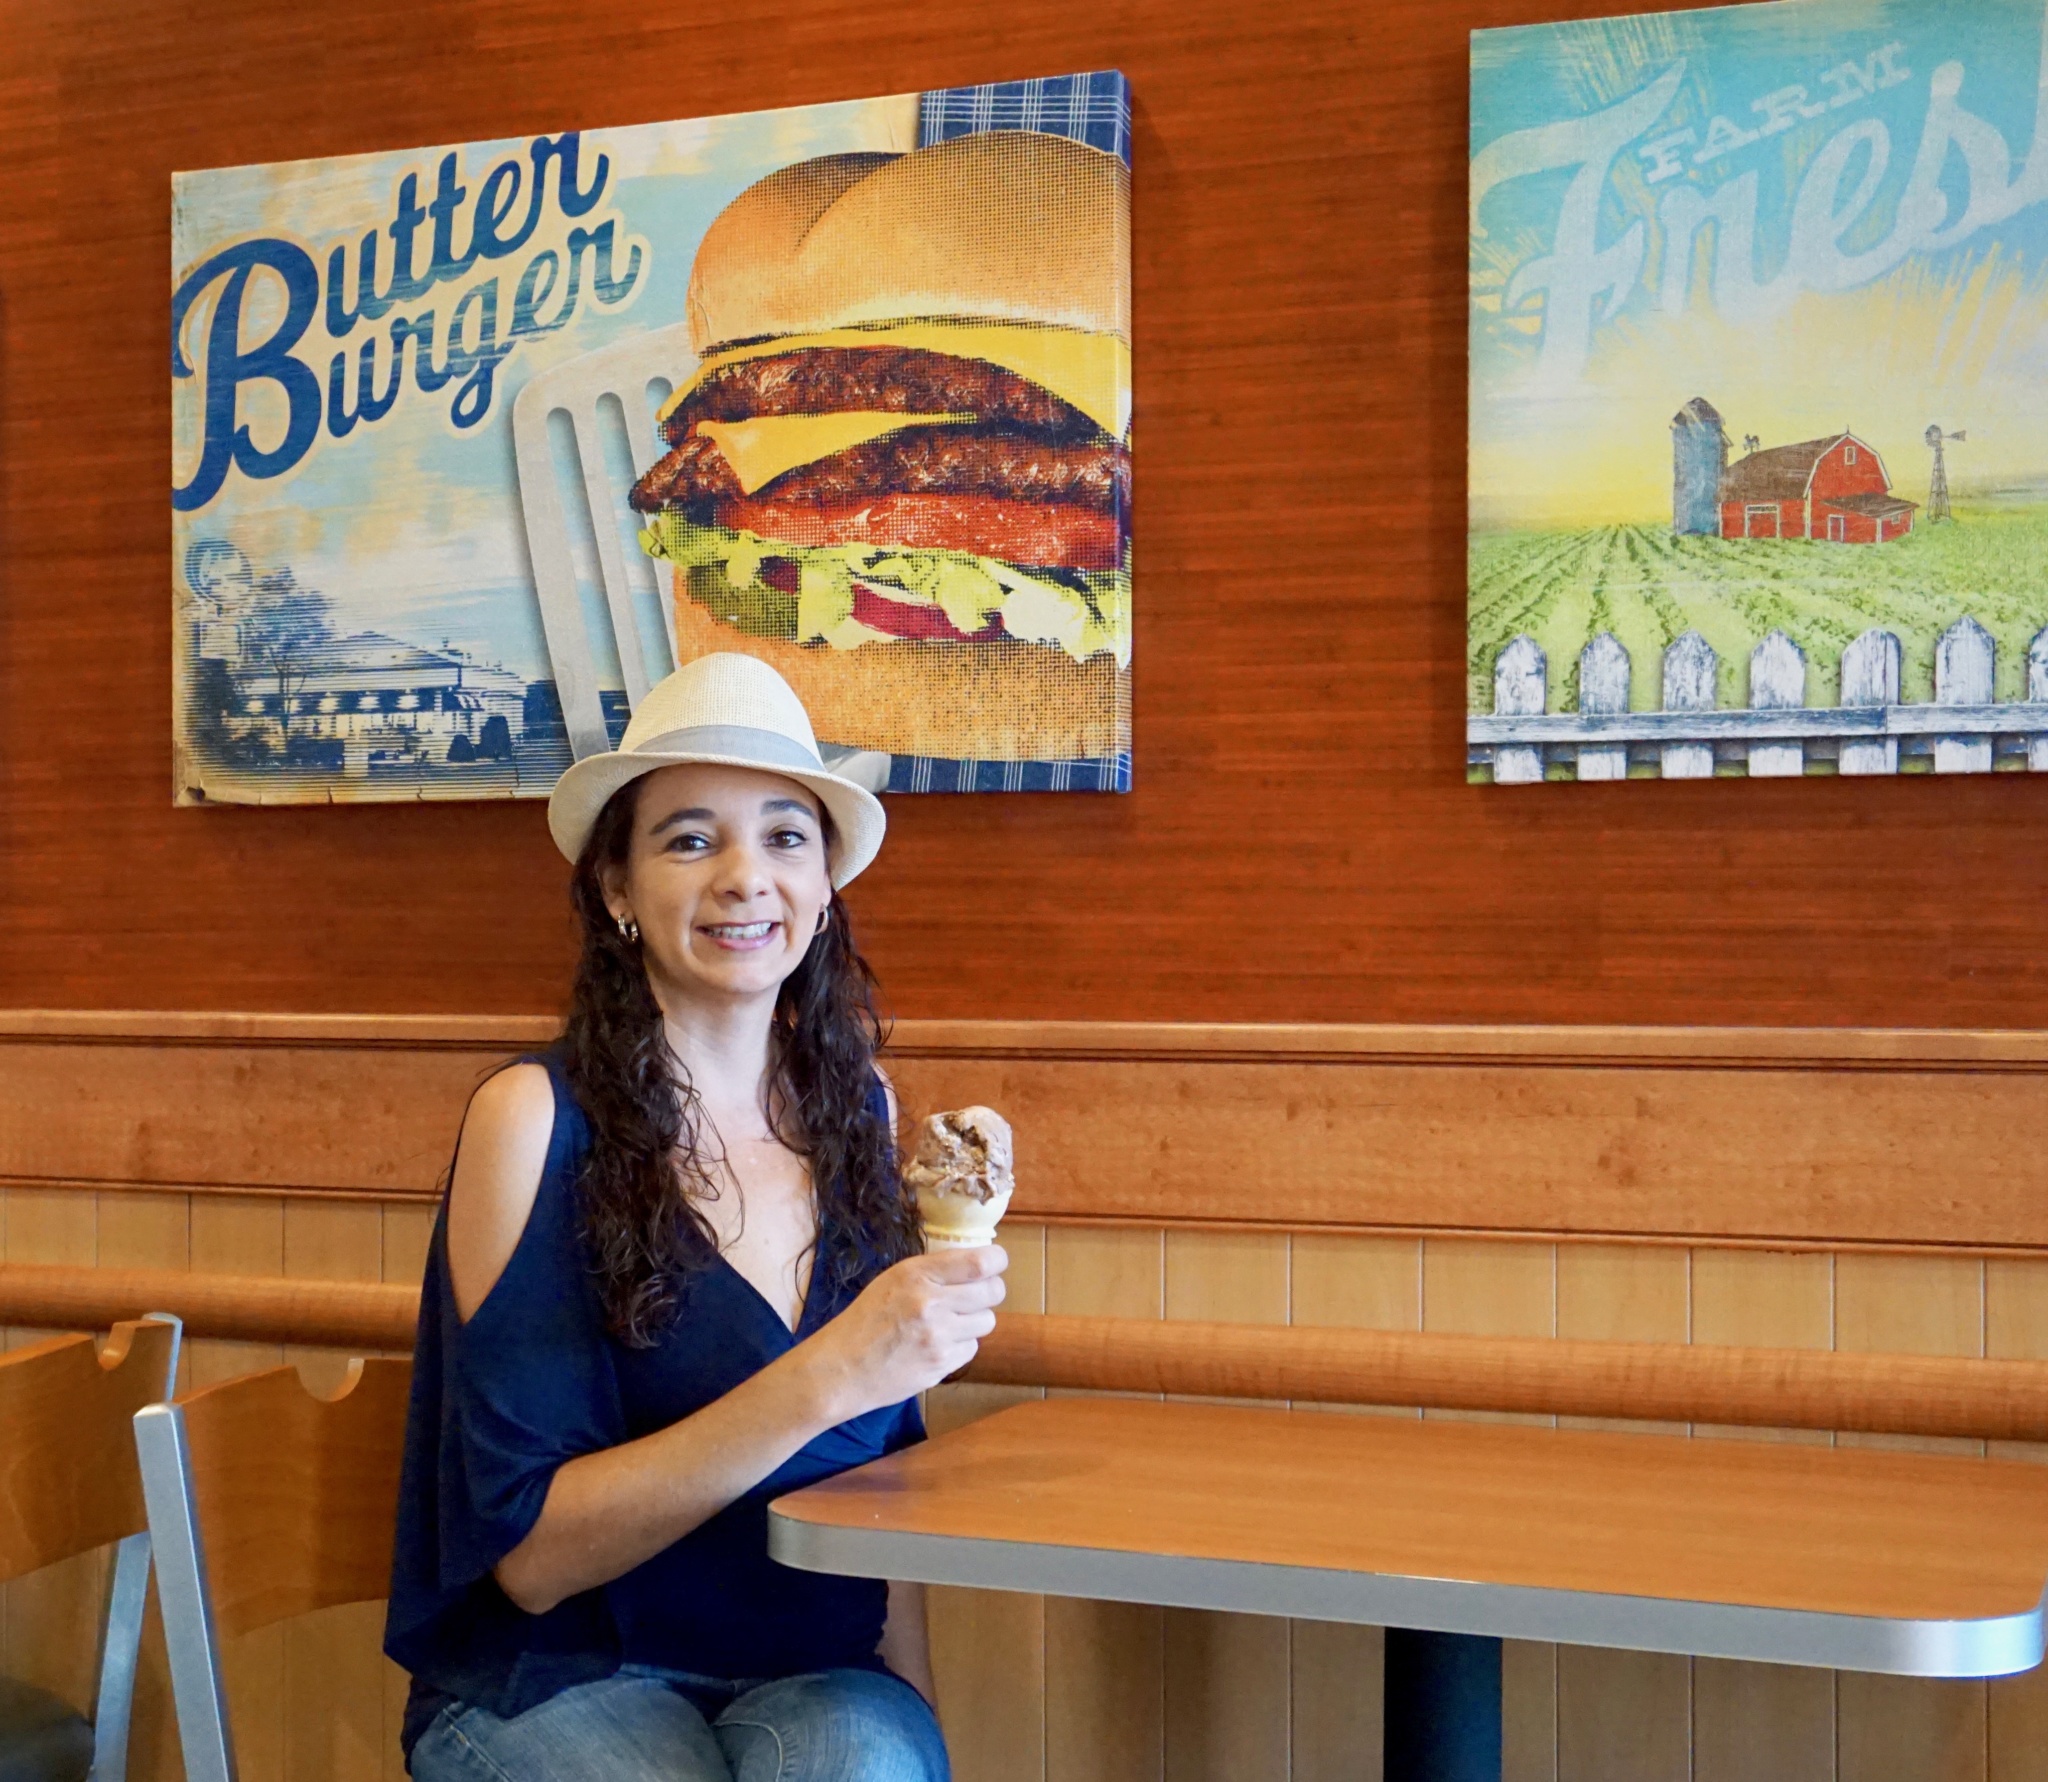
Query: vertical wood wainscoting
point(313, 1698)
point(312, 1148)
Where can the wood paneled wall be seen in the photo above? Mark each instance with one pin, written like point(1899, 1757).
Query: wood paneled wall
point(1817, 1137)
point(1052, 1690)
point(1301, 844)
point(310, 1147)
point(313, 1698)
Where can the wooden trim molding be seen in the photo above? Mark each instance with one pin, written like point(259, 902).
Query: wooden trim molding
point(371, 1315)
point(495, 1034)
point(1785, 1138)
point(1652, 1382)
point(1677, 1047)
point(1777, 1388)
point(1722, 1048)
point(430, 1196)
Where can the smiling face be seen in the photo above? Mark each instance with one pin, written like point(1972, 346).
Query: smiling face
point(728, 879)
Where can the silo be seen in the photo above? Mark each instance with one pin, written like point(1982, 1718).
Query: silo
point(1699, 454)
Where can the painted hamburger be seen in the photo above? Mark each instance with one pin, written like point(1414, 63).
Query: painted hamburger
point(901, 467)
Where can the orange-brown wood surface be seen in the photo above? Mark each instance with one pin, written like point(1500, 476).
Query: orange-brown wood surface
point(1847, 1532)
point(1843, 1137)
point(68, 1483)
point(1644, 1382)
point(1053, 1690)
point(1301, 842)
point(236, 1308)
point(297, 1495)
point(1899, 1394)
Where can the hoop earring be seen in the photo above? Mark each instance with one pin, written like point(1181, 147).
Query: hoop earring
point(629, 930)
point(824, 916)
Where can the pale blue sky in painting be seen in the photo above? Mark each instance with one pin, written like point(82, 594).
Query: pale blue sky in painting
point(408, 524)
point(1815, 213)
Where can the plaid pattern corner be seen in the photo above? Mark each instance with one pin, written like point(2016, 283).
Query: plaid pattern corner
point(1090, 108)
point(921, 773)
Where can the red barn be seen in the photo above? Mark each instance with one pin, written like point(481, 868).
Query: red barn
point(1830, 489)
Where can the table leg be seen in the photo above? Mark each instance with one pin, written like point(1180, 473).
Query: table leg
point(1442, 1707)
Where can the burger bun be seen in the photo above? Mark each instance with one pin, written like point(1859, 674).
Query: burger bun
point(1007, 225)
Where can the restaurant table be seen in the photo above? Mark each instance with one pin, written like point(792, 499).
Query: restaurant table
point(1859, 1558)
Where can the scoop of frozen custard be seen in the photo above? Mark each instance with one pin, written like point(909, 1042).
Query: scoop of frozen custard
point(963, 1174)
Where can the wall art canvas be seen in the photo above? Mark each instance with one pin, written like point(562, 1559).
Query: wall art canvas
point(1759, 393)
point(472, 444)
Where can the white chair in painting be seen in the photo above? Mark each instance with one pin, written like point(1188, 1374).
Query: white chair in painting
point(570, 489)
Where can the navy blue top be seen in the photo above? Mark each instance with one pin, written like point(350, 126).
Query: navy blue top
point(534, 1379)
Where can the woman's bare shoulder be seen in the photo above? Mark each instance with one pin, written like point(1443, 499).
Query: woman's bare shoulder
point(498, 1165)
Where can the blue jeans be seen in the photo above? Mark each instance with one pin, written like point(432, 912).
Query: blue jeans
point(650, 1725)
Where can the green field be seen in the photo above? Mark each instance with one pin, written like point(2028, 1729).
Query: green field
point(1648, 588)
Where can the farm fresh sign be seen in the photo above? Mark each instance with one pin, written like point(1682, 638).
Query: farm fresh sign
point(1759, 444)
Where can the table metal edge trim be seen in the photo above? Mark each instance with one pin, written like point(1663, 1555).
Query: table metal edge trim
point(1990, 1647)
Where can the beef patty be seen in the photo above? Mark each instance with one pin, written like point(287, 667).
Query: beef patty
point(955, 460)
point(886, 380)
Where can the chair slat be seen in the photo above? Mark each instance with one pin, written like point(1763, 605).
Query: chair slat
point(67, 1454)
point(297, 1495)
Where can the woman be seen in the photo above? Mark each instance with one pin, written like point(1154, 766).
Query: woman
point(676, 1275)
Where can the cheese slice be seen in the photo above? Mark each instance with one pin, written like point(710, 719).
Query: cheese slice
point(1090, 371)
point(764, 448)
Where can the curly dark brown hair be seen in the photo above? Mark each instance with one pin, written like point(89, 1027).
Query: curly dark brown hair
point(649, 1167)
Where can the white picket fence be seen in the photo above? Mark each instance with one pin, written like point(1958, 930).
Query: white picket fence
point(1963, 729)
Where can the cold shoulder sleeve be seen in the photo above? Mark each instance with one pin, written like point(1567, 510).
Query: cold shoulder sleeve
point(499, 1402)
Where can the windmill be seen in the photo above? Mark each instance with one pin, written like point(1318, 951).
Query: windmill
point(1750, 443)
point(1937, 492)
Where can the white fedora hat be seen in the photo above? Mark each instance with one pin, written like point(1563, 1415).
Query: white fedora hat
point(726, 710)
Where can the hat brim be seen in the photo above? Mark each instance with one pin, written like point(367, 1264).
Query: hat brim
point(582, 792)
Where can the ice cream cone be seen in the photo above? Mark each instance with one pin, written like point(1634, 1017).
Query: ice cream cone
point(963, 1177)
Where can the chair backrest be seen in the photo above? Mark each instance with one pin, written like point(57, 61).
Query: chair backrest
point(265, 1502)
point(69, 1483)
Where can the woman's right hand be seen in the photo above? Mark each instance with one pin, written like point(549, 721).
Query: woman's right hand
point(911, 1326)
point(609, 1511)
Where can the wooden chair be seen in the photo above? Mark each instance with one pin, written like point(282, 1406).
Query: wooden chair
point(265, 1502)
point(69, 1484)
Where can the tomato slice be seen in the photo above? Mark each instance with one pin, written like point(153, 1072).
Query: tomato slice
point(1041, 534)
point(909, 618)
